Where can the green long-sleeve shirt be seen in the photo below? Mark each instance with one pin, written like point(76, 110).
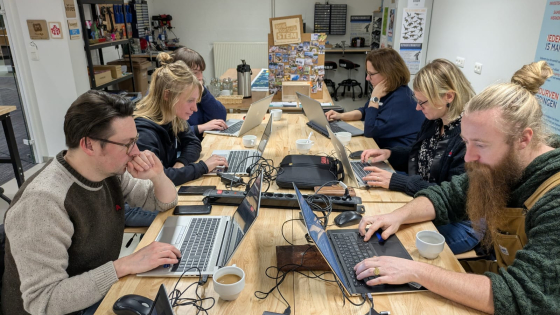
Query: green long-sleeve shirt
point(531, 285)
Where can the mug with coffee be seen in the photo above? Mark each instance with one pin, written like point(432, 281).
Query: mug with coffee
point(229, 282)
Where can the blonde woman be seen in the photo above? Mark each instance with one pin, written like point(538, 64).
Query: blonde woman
point(441, 92)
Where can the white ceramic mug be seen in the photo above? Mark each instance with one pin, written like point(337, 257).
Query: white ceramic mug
point(303, 145)
point(344, 137)
point(231, 291)
point(276, 114)
point(429, 243)
point(249, 141)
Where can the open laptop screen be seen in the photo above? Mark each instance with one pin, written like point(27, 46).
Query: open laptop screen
point(265, 136)
point(244, 217)
point(313, 110)
point(319, 235)
point(161, 305)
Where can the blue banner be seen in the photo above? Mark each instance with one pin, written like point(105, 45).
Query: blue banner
point(548, 50)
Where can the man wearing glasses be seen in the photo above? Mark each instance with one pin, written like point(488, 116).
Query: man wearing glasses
point(64, 228)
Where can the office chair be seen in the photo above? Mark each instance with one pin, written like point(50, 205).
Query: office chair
point(4, 196)
point(330, 65)
point(349, 83)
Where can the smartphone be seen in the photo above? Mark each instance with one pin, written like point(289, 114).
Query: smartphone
point(196, 209)
point(194, 190)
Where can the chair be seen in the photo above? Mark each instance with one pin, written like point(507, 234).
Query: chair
point(330, 65)
point(349, 83)
point(4, 196)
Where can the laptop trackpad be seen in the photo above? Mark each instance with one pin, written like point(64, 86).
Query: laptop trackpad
point(172, 235)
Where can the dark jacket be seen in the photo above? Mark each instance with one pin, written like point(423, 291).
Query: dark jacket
point(163, 143)
point(396, 122)
point(209, 108)
point(452, 161)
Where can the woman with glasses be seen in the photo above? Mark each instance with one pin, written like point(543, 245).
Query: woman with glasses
point(389, 116)
point(211, 114)
point(441, 91)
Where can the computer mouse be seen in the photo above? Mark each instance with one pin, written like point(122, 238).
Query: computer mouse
point(356, 155)
point(132, 304)
point(347, 218)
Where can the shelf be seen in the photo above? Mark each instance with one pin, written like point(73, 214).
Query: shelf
point(108, 44)
point(126, 77)
point(101, 2)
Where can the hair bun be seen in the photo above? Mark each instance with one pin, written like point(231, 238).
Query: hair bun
point(165, 58)
point(532, 76)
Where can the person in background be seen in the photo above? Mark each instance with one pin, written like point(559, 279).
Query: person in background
point(512, 183)
point(441, 92)
point(389, 116)
point(210, 114)
point(161, 120)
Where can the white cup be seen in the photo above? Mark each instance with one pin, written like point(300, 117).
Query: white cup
point(429, 243)
point(344, 137)
point(229, 292)
point(249, 141)
point(303, 145)
point(276, 114)
point(225, 92)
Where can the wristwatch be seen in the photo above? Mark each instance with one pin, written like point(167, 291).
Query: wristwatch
point(374, 99)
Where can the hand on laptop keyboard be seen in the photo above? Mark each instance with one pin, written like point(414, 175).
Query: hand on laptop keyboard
point(214, 161)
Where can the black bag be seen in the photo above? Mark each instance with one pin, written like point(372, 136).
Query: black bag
point(308, 171)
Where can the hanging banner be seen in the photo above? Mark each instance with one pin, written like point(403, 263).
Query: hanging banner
point(548, 49)
point(412, 37)
point(360, 30)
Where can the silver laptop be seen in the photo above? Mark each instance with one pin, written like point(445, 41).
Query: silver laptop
point(354, 169)
point(317, 118)
point(254, 117)
point(240, 160)
point(207, 242)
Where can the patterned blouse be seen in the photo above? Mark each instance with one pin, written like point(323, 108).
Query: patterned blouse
point(429, 147)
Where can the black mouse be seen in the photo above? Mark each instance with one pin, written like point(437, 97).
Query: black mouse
point(356, 155)
point(132, 304)
point(347, 218)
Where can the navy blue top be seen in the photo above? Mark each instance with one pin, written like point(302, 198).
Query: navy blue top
point(396, 122)
point(184, 148)
point(209, 108)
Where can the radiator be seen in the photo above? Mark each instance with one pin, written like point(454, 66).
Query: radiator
point(229, 54)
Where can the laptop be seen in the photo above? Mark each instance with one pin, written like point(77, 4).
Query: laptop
point(317, 118)
point(208, 242)
point(240, 160)
point(355, 168)
point(343, 249)
point(254, 117)
point(161, 305)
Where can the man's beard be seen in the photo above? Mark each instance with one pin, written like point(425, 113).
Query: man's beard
point(489, 193)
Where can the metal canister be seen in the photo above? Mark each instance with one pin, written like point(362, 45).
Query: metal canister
point(244, 79)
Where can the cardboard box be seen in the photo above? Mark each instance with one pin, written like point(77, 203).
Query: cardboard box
point(140, 67)
point(116, 70)
point(289, 89)
point(102, 77)
point(4, 40)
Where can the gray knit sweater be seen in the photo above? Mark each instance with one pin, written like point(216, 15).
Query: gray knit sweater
point(63, 233)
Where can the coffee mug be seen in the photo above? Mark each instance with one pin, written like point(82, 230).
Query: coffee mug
point(229, 282)
point(344, 137)
point(276, 114)
point(303, 145)
point(429, 243)
point(249, 141)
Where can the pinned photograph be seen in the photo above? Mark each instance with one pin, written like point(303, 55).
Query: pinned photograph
point(308, 61)
point(314, 43)
point(300, 62)
point(306, 46)
point(278, 57)
point(285, 58)
point(322, 37)
point(321, 49)
point(270, 58)
point(294, 77)
point(304, 78)
point(315, 59)
point(314, 36)
point(273, 49)
point(308, 54)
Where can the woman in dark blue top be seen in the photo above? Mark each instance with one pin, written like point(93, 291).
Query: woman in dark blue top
point(211, 114)
point(389, 116)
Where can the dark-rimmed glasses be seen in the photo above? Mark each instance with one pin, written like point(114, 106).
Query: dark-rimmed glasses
point(371, 74)
point(421, 104)
point(129, 146)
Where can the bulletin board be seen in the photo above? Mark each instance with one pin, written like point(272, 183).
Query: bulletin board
point(304, 61)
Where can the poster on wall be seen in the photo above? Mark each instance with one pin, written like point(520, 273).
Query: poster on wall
point(413, 25)
point(70, 8)
point(74, 29)
point(38, 29)
point(548, 49)
point(360, 28)
point(391, 27)
point(286, 30)
point(55, 30)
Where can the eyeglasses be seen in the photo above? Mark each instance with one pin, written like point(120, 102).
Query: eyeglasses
point(421, 104)
point(129, 146)
point(371, 74)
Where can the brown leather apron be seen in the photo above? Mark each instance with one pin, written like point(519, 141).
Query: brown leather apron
point(511, 236)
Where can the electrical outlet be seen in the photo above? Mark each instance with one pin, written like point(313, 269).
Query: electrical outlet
point(478, 67)
point(460, 62)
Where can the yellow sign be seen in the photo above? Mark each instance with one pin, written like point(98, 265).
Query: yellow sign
point(286, 30)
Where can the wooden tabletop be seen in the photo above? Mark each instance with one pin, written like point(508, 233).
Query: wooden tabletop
point(306, 296)
point(257, 95)
point(282, 142)
point(6, 109)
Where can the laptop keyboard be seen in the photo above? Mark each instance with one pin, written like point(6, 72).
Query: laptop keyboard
point(233, 128)
point(239, 160)
point(358, 168)
point(197, 246)
point(335, 128)
point(353, 250)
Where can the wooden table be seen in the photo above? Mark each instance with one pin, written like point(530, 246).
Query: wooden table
point(12, 144)
point(285, 132)
point(305, 296)
point(255, 96)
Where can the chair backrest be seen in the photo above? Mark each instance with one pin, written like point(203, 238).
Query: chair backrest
point(330, 65)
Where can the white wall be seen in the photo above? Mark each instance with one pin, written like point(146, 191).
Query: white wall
point(500, 34)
